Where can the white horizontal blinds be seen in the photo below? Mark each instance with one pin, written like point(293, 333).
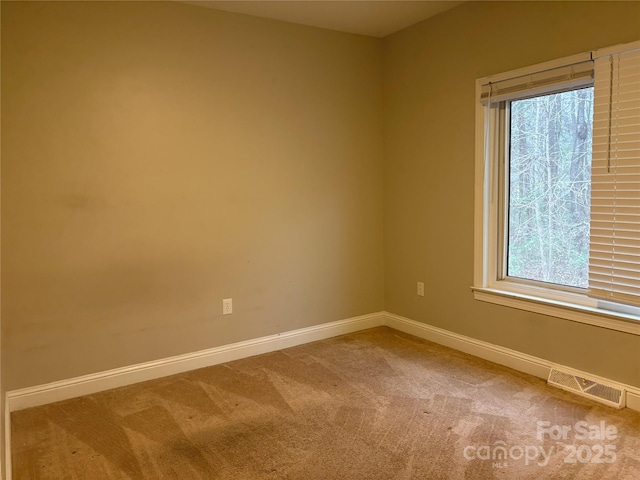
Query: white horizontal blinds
point(539, 83)
point(614, 258)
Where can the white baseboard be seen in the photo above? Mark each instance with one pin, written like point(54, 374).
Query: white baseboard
point(501, 355)
point(494, 353)
point(120, 377)
point(7, 442)
point(633, 401)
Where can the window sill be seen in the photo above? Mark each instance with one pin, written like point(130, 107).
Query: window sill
point(576, 313)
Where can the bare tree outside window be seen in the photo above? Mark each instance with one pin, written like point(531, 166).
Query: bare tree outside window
point(550, 188)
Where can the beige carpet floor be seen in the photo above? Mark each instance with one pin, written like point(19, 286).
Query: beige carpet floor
point(377, 404)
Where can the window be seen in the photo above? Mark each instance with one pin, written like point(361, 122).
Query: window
point(558, 188)
point(548, 190)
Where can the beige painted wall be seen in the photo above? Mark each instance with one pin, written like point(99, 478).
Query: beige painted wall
point(430, 71)
point(158, 158)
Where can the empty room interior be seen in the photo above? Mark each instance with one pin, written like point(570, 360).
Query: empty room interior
point(253, 240)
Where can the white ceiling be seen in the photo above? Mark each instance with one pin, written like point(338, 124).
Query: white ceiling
point(375, 18)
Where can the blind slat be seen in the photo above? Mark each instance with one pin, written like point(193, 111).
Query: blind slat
point(614, 253)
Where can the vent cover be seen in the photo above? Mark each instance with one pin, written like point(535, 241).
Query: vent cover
point(608, 394)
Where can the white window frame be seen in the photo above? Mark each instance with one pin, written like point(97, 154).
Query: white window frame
point(488, 286)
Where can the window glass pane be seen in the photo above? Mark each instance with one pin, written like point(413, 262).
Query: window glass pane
point(549, 188)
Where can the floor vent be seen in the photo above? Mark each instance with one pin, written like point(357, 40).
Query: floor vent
point(611, 395)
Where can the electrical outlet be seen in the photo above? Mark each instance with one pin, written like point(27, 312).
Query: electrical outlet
point(421, 289)
point(227, 306)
